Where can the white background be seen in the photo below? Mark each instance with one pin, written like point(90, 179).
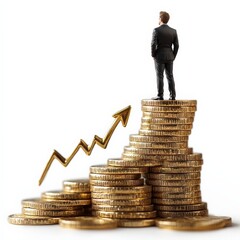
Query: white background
point(68, 66)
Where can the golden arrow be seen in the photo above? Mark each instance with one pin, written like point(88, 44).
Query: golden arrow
point(121, 116)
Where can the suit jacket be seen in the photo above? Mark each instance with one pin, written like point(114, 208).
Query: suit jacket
point(164, 44)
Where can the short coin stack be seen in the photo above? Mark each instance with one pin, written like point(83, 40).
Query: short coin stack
point(74, 200)
point(162, 144)
point(119, 193)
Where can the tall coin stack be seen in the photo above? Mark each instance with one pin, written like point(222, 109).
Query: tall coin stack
point(162, 144)
point(120, 193)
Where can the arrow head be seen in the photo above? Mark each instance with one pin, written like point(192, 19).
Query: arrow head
point(123, 115)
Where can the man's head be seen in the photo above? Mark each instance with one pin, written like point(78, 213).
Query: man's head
point(163, 17)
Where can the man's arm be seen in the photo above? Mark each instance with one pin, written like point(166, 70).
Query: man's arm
point(175, 45)
point(154, 44)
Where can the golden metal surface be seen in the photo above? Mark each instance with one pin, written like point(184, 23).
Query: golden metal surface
point(150, 102)
point(165, 133)
point(21, 219)
point(104, 169)
point(195, 223)
point(76, 185)
point(173, 176)
point(132, 223)
point(182, 208)
point(121, 116)
point(121, 195)
point(52, 213)
point(59, 195)
point(168, 114)
point(153, 151)
point(124, 208)
point(167, 121)
point(87, 223)
point(38, 203)
point(118, 183)
point(179, 195)
point(107, 177)
point(177, 201)
point(164, 127)
point(166, 214)
point(172, 183)
point(171, 109)
point(159, 145)
point(128, 215)
point(176, 189)
point(125, 190)
point(178, 170)
point(133, 163)
point(122, 202)
point(157, 139)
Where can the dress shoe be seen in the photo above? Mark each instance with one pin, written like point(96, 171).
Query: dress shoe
point(172, 98)
point(157, 98)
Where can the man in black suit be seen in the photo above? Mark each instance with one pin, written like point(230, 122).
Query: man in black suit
point(163, 39)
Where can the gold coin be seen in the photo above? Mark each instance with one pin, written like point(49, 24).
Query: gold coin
point(125, 190)
point(182, 214)
point(169, 109)
point(175, 164)
point(164, 127)
point(158, 139)
point(150, 102)
point(38, 203)
point(51, 213)
point(178, 157)
point(176, 189)
point(106, 177)
point(76, 185)
point(117, 208)
point(173, 183)
point(177, 176)
point(21, 219)
point(118, 183)
point(168, 114)
point(179, 195)
point(136, 156)
point(129, 215)
point(194, 223)
point(165, 132)
point(173, 121)
point(122, 202)
point(104, 169)
point(182, 208)
point(136, 223)
point(178, 170)
point(87, 223)
point(129, 149)
point(175, 201)
point(133, 163)
point(158, 145)
point(121, 195)
point(59, 195)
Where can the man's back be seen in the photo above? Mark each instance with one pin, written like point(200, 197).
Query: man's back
point(163, 39)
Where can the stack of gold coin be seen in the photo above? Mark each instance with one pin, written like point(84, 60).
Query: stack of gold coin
point(120, 193)
point(74, 200)
point(162, 144)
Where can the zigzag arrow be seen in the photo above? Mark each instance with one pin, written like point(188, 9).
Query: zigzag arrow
point(121, 116)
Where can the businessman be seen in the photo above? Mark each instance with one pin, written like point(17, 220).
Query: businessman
point(164, 49)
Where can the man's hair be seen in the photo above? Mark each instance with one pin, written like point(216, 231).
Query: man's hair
point(164, 16)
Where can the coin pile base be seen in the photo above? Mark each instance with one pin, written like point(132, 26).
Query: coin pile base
point(194, 223)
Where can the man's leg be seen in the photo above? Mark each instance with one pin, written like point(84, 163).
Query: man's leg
point(159, 67)
point(171, 83)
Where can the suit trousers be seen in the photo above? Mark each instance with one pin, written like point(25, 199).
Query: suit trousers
point(168, 67)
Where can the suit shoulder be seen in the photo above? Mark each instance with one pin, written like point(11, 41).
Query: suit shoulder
point(173, 29)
